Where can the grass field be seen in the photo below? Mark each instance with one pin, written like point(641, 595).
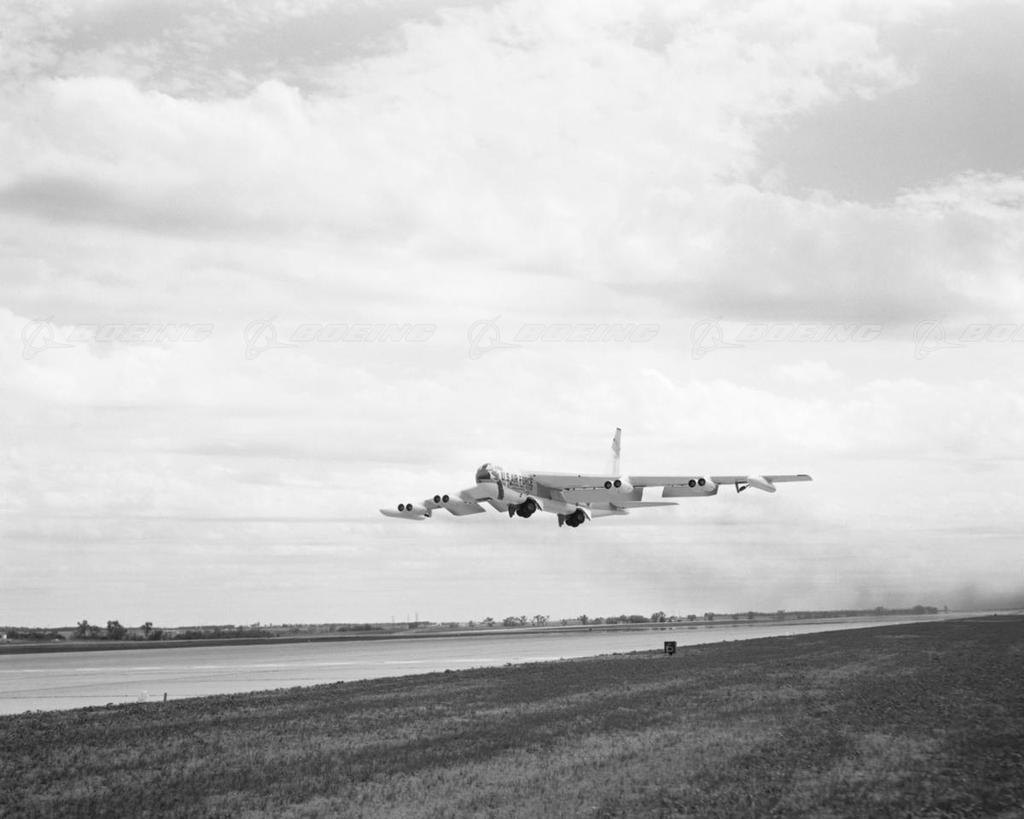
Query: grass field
point(913, 720)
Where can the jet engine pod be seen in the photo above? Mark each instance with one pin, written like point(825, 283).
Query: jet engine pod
point(620, 485)
point(527, 508)
point(575, 518)
point(693, 488)
point(410, 511)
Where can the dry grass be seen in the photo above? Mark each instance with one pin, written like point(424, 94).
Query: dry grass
point(923, 720)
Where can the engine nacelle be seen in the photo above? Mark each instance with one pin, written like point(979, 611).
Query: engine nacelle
point(694, 488)
point(409, 511)
point(576, 518)
point(619, 485)
point(526, 508)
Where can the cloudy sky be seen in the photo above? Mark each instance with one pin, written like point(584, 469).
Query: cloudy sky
point(269, 266)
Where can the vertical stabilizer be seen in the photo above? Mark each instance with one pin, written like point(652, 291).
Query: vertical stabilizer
point(616, 449)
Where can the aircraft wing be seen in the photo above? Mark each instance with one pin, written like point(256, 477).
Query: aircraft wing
point(673, 480)
point(685, 485)
point(465, 504)
point(460, 508)
point(641, 504)
point(571, 480)
point(769, 478)
point(575, 497)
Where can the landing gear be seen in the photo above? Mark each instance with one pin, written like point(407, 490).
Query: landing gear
point(574, 519)
point(526, 508)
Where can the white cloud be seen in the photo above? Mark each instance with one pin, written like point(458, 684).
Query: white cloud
point(521, 137)
point(521, 162)
point(807, 372)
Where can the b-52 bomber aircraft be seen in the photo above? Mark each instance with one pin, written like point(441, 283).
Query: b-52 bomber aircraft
point(576, 498)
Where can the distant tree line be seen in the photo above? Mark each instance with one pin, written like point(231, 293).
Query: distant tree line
point(114, 630)
point(708, 617)
point(85, 630)
point(220, 633)
point(48, 634)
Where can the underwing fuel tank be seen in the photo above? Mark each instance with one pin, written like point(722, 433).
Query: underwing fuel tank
point(760, 483)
